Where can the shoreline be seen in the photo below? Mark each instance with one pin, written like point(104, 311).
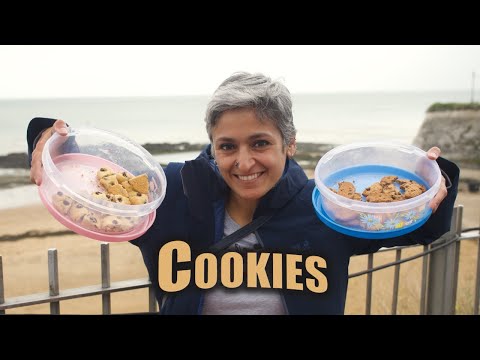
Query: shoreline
point(19, 160)
point(14, 169)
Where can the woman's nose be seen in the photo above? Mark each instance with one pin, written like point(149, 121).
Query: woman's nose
point(244, 160)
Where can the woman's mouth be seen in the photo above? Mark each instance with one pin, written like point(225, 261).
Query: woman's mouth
point(250, 177)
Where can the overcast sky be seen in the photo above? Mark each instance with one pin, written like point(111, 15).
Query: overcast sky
point(74, 71)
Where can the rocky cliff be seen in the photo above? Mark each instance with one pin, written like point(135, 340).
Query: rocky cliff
point(456, 132)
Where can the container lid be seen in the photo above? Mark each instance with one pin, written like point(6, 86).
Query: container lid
point(71, 162)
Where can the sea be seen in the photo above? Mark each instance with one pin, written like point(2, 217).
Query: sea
point(329, 118)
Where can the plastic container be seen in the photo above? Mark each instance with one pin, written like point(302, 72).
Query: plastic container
point(364, 164)
point(69, 180)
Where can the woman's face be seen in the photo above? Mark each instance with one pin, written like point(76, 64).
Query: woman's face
point(257, 147)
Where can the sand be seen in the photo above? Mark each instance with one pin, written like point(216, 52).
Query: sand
point(25, 265)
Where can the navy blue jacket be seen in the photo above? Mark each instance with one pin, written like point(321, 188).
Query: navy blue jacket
point(193, 211)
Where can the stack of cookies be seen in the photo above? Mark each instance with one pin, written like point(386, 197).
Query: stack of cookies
point(383, 191)
point(121, 187)
point(90, 219)
point(117, 187)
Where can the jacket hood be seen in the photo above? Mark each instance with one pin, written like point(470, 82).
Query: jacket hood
point(203, 183)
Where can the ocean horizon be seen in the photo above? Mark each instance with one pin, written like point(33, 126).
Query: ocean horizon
point(319, 118)
point(335, 118)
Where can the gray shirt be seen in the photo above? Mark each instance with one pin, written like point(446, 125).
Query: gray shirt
point(241, 301)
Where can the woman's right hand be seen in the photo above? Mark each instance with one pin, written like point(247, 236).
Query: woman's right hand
point(59, 127)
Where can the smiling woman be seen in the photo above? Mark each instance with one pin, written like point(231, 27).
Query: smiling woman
point(250, 155)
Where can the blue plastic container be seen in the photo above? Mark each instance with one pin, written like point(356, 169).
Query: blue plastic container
point(364, 164)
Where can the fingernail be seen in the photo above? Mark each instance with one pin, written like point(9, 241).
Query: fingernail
point(63, 131)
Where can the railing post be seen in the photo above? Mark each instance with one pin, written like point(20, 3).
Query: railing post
point(396, 281)
point(456, 259)
point(423, 290)
point(2, 289)
point(368, 305)
point(152, 300)
point(105, 261)
point(443, 271)
point(476, 300)
point(54, 287)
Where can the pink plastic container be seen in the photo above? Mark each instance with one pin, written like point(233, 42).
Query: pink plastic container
point(70, 165)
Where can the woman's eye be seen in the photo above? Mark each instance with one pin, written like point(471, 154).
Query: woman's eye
point(261, 143)
point(226, 147)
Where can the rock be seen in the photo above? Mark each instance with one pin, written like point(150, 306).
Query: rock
point(455, 132)
point(14, 161)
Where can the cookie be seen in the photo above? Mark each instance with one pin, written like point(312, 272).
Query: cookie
point(112, 223)
point(122, 176)
point(108, 181)
point(388, 180)
point(346, 189)
point(117, 190)
point(104, 171)
point(77, 212)
point(391, 190)
point(413, 190)
point(102, 196)
point(61, 202)
point(140, 183)
point(91, 221)
point(357, 196)
point(374, 188)
point(126, 185)
point(120, 199)
point(375, 197)
point(138, 198)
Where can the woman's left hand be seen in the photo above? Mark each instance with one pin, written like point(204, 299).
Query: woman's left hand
point(433, 153)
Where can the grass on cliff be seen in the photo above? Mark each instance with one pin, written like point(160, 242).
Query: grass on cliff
point(436, 107)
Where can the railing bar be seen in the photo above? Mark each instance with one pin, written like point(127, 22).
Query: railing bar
point(393, 248)
point(477, 283)
point(456, 264)
point(86, 291)
point(152, 301)
point(368, 307)
point(396, 280)
point(54, 286)
point(423, 290)
point(384, 266)
point(2, 288)
point(469, 237)
point(105, 263)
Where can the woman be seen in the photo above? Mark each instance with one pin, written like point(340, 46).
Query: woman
point(245, 173)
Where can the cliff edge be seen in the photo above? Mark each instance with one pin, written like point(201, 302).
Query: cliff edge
point(455, 131)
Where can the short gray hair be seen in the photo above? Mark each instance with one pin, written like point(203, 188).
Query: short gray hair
point(270, 100)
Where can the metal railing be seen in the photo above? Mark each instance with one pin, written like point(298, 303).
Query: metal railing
point(55, 296)
point(439, 282)
point(440, 264)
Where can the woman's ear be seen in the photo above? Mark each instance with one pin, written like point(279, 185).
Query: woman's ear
point(292, 148)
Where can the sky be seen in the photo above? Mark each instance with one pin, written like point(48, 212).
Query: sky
point(28, 71)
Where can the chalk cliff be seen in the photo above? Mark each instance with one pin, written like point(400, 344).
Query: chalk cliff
point(456, 132)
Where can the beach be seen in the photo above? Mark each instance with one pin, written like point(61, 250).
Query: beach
point(25, 268)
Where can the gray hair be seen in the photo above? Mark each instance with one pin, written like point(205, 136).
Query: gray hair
point(270, 100)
